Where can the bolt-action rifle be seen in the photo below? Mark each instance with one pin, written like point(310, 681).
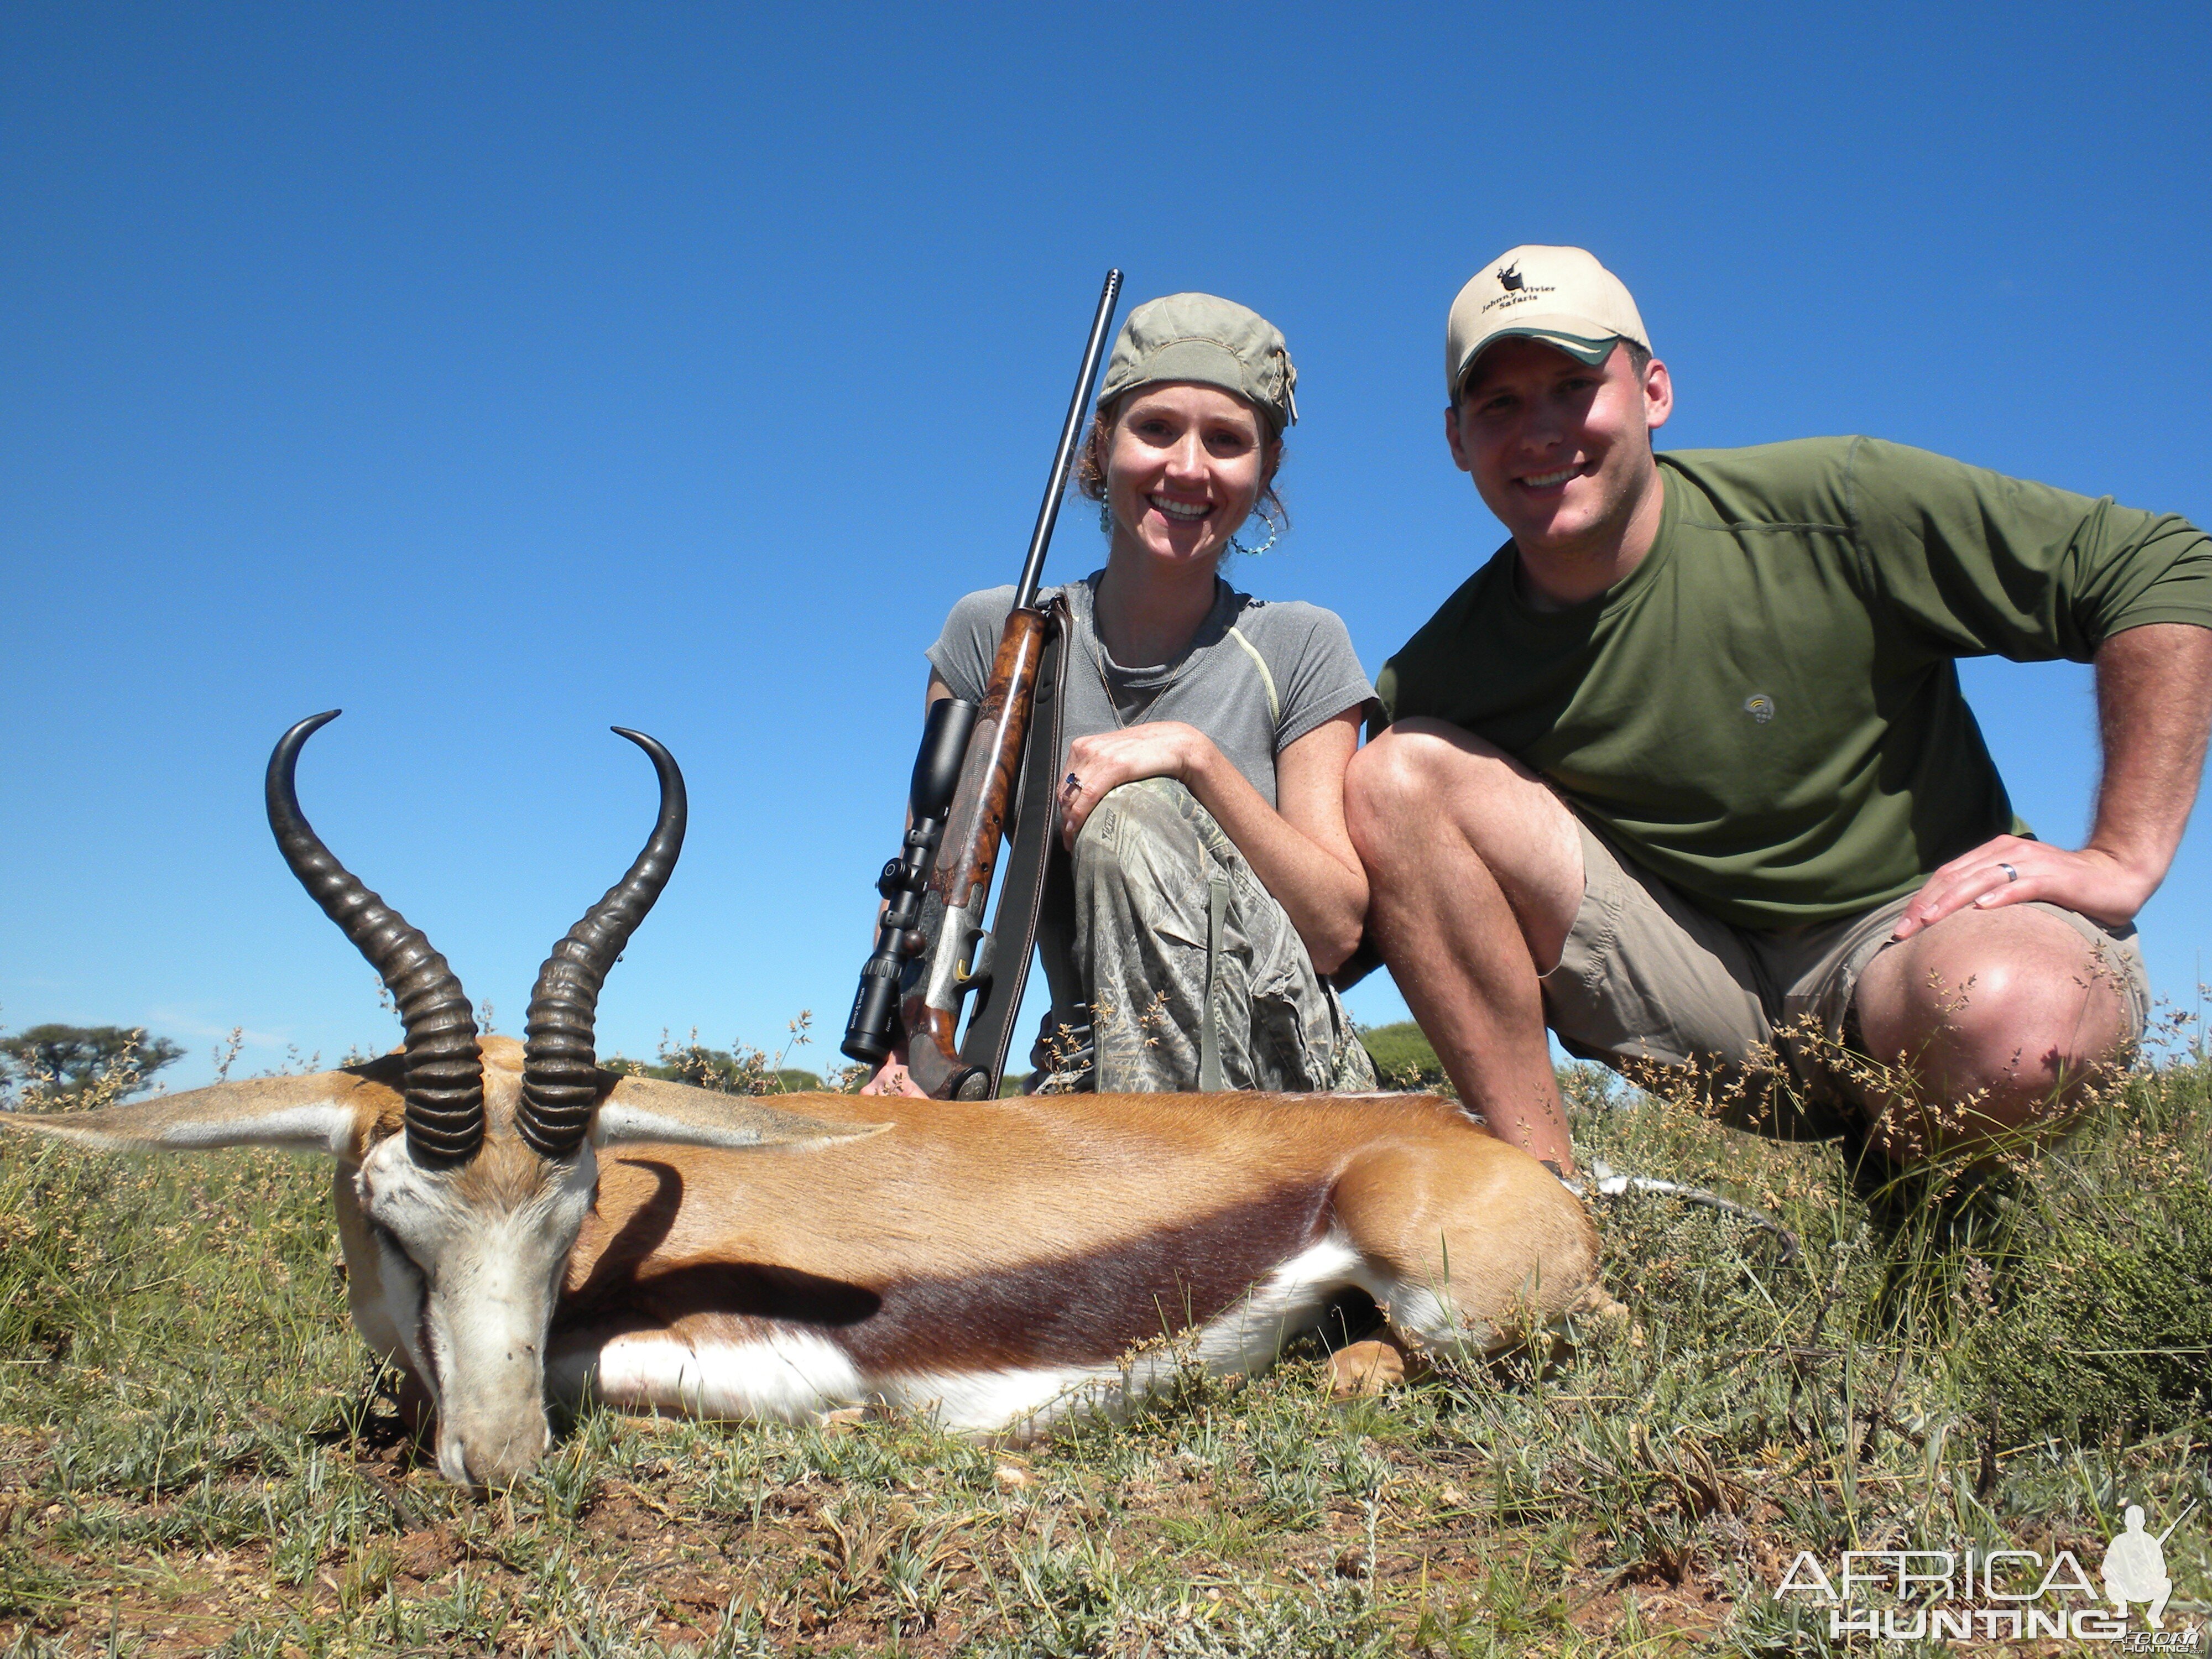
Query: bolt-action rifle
point(933, 949)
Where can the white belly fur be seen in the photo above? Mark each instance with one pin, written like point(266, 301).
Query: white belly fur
point(791, 1372)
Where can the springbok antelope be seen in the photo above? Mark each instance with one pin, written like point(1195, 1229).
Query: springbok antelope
point(518, 1222)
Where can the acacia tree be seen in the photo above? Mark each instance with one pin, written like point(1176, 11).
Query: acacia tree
point(61, 1066)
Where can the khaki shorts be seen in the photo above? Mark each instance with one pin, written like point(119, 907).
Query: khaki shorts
point(1647, 979)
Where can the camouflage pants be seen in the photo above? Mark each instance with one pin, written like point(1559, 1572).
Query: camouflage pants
point(1195, 977)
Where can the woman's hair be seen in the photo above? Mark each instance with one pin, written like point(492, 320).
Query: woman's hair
point(1090, 460)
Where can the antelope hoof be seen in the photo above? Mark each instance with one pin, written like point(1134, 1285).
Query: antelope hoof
point(1365, 1368)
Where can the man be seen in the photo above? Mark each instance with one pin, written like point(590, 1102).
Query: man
point(1684, 771)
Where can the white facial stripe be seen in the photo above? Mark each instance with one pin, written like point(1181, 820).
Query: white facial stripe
point(470, 1294)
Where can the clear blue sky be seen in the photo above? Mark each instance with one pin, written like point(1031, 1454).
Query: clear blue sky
point(501, 372)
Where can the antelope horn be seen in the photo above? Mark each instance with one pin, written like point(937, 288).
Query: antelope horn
point(559, 1072)
point(444, 1082)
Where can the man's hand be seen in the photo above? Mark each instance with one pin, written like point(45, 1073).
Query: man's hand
point(2012, 871)
point(1157, 749)
point(2154, 709)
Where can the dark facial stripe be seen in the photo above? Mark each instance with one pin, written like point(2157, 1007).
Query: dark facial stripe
point(1085, 1309)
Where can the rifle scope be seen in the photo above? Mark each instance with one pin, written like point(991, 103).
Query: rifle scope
point(874, 1028)
point(903, 932)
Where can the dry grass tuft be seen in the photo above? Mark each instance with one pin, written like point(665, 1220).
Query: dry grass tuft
point(194, 1458)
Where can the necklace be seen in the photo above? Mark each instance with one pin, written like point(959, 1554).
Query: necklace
point(1105, 684)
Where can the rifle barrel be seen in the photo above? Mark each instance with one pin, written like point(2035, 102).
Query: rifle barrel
point(2178, 1519)
point(1070, 434)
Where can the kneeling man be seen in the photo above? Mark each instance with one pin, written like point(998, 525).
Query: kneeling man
point(1685, 772)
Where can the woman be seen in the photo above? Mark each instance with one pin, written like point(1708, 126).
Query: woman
point(1203, 792)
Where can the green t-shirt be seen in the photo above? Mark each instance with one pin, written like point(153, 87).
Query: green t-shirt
point(1766, 712)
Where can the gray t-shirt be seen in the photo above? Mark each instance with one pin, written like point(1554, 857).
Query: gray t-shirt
point(1258, 675)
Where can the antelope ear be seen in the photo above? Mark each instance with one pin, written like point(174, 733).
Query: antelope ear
point(641, 1108)
point(314, 1114)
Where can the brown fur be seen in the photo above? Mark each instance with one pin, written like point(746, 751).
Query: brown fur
point(959, 1188)
point(962, 1234)
point(968, 1232)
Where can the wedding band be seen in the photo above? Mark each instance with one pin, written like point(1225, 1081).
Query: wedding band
point(2011, 874)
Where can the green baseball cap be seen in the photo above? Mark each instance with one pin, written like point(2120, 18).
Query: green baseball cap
point(1560, 296)
point(1210, 341)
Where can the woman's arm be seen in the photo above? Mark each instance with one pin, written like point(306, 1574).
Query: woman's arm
point(1299, 847)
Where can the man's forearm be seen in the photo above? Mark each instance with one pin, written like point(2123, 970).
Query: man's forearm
point(2154, 710)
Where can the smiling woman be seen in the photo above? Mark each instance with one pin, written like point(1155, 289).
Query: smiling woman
point(1202, 801)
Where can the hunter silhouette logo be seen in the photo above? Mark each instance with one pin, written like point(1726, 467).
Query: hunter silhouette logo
point(2000, 1595)
point(1508, 277)
point(2135, 1568)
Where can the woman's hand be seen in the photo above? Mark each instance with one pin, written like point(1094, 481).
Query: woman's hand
point(892, 1077)
point(1298, 848)
point(1157, 749)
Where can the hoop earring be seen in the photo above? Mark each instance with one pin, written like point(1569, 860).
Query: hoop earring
point(1274, 531)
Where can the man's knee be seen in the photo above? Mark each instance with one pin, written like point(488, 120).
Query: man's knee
point(1412, 771)
point(1990, 1001)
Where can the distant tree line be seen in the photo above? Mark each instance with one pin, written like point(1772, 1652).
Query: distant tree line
point(65, 1067)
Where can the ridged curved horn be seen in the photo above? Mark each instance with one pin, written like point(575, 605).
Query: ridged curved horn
point(560, 1071)
point(444, 1085)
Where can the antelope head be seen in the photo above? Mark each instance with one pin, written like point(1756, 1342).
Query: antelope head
point(461, 1185)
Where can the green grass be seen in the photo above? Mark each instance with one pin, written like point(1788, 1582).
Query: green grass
point(195, 1456)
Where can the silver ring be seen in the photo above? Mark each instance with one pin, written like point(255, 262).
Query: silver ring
point(2011, 874)
point(1074, 783)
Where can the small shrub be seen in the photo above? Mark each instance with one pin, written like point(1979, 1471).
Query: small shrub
point(1403, 1057)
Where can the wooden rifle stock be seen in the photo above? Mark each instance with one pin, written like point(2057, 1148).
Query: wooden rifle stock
point(960, 884)
point(950, 952)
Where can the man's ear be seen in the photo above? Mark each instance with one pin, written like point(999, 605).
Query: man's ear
point(1451, 437)
point(1658, 394)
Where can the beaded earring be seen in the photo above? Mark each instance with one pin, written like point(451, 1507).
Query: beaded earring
point(1274, 531)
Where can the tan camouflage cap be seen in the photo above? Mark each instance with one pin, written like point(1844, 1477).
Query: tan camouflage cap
point(1211, 341)
point(1560, 296)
